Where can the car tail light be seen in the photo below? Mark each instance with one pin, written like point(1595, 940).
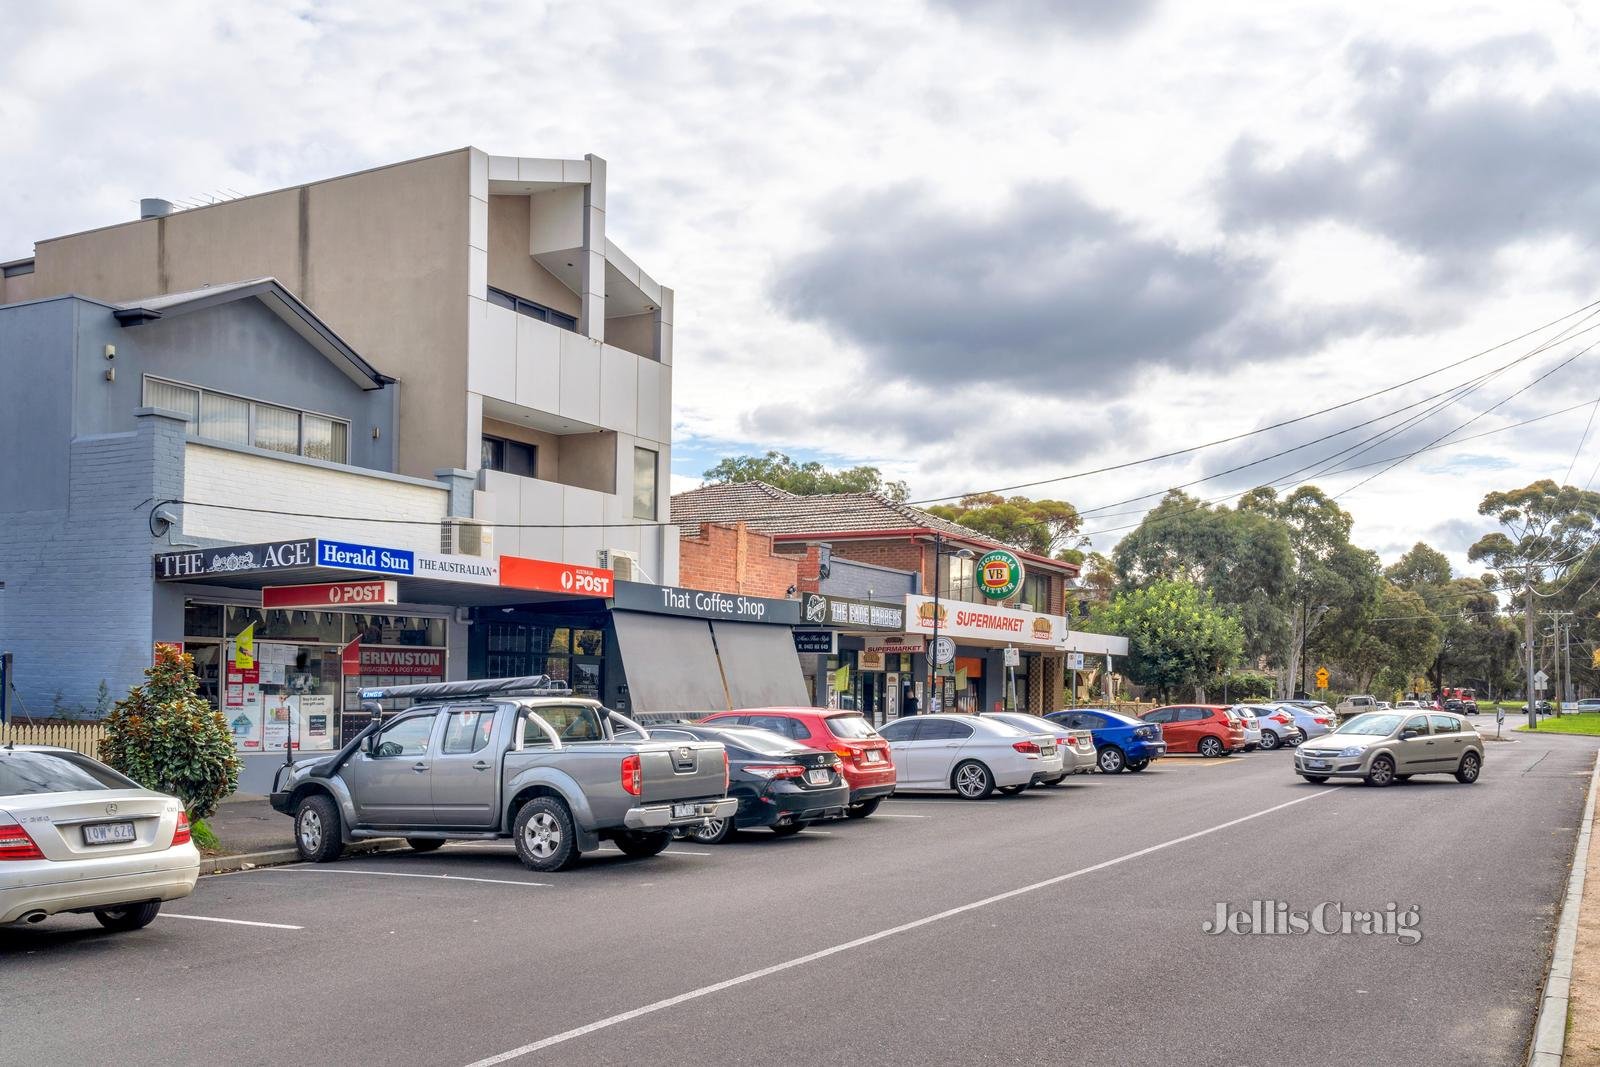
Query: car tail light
point(633, 774)
point(727, 774)
point(1321, 720)
point(1064, 741)
point(1027, 747)
point(845, 754)
point(15, 844)
point(776, 770)
point(180, 832)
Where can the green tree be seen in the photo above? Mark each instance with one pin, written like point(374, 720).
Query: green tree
point(1043, 527)
point(1178, 638)
point(1400, 640)
point(806, 479)
point(166, 737)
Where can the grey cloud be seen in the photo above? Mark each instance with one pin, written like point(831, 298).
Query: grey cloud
point(1092, 18)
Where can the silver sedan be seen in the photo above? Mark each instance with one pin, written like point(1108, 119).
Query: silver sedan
point(76, 836)
point(1076, 746)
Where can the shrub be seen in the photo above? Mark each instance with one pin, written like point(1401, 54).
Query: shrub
point(165, 736)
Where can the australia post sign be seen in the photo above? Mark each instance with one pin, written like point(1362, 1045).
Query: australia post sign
point(330, 595)
point(959, 620)
point(548, 576)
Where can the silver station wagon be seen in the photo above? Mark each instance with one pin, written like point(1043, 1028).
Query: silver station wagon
point(1387, 746)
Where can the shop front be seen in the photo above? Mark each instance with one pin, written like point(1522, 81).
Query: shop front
point(1000, 658)
point(845, 659)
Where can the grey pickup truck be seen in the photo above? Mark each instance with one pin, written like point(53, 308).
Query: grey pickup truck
point(512, 757)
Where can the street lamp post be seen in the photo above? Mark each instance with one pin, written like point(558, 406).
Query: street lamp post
point(933, 648)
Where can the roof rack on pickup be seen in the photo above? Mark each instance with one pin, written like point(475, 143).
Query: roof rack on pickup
point(531, 685)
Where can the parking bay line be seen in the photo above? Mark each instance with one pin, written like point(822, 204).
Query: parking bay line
point(234, 922)
point(668, 852)
point(397, 874)
point(820, 954)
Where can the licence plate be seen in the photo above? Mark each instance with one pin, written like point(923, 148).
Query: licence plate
point(873, 756)
point(1317, 764)
point(818, 777)
point(683, 811)
point(1047, 750)
point(109, 833)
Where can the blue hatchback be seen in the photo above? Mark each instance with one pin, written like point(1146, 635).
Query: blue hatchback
point(1120, 741)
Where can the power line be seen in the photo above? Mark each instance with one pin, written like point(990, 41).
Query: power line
point(1581, 442)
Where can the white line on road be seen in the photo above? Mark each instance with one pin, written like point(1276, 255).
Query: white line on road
point(800, 961)
point(890, 815)
point(670, 852)
point(234, 922)
point(396, 874)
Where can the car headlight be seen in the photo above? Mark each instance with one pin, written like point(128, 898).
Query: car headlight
point(1353, 750)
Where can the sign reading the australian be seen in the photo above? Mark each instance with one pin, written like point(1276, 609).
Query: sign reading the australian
point(989, 625)
point(999, 574)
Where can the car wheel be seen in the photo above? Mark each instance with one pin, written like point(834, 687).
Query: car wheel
point(1138, 765)
point(1211, 748)
point(545, 836)
point(316, 829)
point(642, 844)
point(1012, 790)
point(425, 844)
point(1269, 741)
point(714, 832)
point(973, 780)
point(863, 809)
point(1315, 779)
point(1381, 773)
point(1112, 760)
point(129, 916)
point(789, 829)
point(1467, 773)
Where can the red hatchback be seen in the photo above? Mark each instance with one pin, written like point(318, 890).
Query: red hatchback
point(1209, 729)
point(867, 765)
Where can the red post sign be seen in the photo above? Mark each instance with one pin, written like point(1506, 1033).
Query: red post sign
point(330, 595)
point(550, 577)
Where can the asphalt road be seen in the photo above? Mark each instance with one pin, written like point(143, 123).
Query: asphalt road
point(1060, 926)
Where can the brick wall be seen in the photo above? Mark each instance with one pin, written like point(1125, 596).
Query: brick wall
point(735, 559)
point(901, 555)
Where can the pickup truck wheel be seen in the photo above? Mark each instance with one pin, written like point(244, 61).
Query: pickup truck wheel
point(316, 829)
point(424, 844)
point(545, 837)
point(641, 845)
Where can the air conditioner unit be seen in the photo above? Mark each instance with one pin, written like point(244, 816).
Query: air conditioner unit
point(466, 537)
point(623, 563)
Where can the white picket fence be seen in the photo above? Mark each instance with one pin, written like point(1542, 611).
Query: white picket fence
point(82, 737)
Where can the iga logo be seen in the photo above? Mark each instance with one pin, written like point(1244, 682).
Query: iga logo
point(999, 574)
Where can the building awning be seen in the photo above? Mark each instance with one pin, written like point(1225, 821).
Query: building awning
point(761, 666)
point(671, 664)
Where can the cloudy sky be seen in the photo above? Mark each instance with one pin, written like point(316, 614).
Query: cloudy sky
point(975, 243)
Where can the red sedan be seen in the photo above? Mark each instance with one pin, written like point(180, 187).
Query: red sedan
point(867, 765)
point(1209, 729)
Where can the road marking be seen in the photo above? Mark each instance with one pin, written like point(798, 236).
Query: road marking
point(889, 815)
point(397, 874)
point(234, 922)
point(670, 852)
point(820, 954)
point(812, 833)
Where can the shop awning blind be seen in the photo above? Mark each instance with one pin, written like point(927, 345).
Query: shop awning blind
point(761, 665)
point(670, 664)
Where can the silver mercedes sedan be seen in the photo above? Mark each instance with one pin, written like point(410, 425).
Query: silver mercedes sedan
point(76, 836)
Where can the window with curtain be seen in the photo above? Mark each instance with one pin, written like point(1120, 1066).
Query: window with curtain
point(326, 439)
point(225, 418)
point(160, 394)
point(277, 429)
point(237, 421)
point(958, 578)
point(644, 483)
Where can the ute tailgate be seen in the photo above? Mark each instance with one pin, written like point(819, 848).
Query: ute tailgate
point(681, 770)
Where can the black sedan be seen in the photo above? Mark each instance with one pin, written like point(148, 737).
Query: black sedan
point(780, 784)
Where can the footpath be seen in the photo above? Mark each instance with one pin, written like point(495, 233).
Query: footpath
point(251, 834)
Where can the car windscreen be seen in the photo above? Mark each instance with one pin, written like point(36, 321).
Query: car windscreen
point(1031, 723)
point(1372, 724)
point(22, 773)
point(850, 727)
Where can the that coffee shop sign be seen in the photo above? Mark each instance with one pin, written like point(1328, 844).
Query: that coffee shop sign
point(702, 604)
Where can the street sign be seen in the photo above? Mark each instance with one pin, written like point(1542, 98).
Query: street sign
point(944, 650)
point(1541, 681)
point(1322, 677)
point(1074, 661)
point(1499, 715)
point(1013, 657)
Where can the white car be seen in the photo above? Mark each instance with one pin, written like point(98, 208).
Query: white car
point(1313, 720)
point(1252, 727)
point(1277, 726)
point(1076, 746)
point(76, 836)
point(971, 754)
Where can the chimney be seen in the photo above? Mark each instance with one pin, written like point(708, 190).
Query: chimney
point(154, 208)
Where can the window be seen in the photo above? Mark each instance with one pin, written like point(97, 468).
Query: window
point(900, 729)
point(1087, 722)
point(55, 772)
point(1194, 714)
point(1445, 724)
point(467, 730)
point(944, 730)
point(510, 457)
point(571, 722)
point(1036, 592)
point(532, 309)
point(408, 737)
point(957, 578)
point(780, 724)
point(644, 483)
point(852, 727)
point(236, 421)
point(1419, 723)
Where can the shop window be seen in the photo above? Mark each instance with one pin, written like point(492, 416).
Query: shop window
point(397, 630)
point(314, 627)
point(201, 620)
point(644, 483)
point(958, 578)
point(510, 457)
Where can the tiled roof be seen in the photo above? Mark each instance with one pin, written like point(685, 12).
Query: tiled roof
point(772, 510)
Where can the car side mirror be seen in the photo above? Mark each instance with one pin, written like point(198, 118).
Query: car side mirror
point(1406, 735)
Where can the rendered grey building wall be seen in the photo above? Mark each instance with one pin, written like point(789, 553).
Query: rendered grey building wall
point(848, 578)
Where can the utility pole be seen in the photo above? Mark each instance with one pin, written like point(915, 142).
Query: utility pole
point(1527, 645)
point(1559, 630)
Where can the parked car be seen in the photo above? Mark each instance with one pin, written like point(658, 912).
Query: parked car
point(1121, 741)
point(1311, 718)
point(971, 754)
point(868, 764)
point(1408, 704)
point(76, 836)
point(1382, 705)
point(1354, 705)
point(1277, 726)
point(508, 757)
point(1455, 706)
point(1209, 729)
point(1588, 704)
point(1252, 727)
point(1076, 746)
point(1385, 746)
point(779, 783)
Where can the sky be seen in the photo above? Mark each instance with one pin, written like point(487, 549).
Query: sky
point(975, 244)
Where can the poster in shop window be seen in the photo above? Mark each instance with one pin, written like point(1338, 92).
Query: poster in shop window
point(241, 702)
point(313, 723)
point(280, 709)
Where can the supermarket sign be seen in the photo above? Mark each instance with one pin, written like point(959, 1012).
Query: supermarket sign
point(978, 623)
